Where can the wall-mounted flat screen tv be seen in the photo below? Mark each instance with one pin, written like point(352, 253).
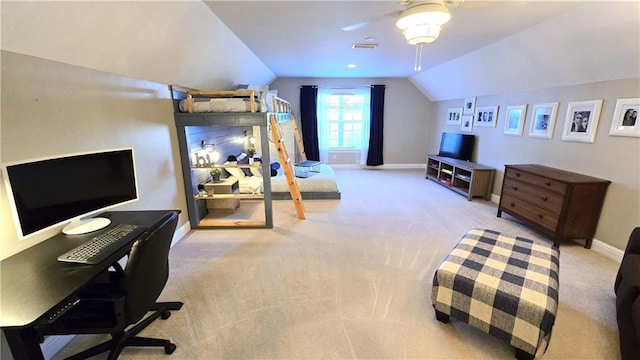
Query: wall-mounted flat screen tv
point(457, 146)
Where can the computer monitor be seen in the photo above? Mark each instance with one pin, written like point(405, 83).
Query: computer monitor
point(69, 189)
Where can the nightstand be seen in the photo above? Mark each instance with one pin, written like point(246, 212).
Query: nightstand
point(223, 199)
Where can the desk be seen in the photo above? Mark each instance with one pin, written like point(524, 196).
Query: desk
point(33, 281)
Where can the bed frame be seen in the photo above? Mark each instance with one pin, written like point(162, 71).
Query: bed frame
point(190, 122)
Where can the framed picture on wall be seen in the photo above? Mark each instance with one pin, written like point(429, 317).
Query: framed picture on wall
point(514, 120)
point(486, 116)
point(469, 106)
point(625, 118)
point(467, 123)
point(581, 122)
point(455, 115)
point(543, 120)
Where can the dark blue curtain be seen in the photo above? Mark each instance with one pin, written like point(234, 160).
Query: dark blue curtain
point(309, 121)
point(374, 157)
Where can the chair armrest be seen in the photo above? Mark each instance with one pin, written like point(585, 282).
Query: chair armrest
point(627, 284)
point(628, 306)
point(633, 246)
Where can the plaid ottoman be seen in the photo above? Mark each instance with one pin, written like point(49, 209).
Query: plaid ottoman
point(504, 286)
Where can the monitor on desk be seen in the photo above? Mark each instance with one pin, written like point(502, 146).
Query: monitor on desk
point(69, 189)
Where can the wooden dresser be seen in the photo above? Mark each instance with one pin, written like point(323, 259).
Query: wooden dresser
point(560, 203)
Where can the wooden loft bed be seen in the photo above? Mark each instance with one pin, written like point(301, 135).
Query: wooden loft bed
point(242, 96)
point(194, 122)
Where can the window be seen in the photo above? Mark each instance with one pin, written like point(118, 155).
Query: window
point(343, 119)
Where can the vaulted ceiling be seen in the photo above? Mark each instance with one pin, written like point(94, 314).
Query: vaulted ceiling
point(488, 46)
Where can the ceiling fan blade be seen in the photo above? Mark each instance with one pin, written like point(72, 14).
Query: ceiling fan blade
point(360, 25)
point(353, 27)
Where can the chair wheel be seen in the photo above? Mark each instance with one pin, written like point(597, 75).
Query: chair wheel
point(169, 349)
point(165, 314)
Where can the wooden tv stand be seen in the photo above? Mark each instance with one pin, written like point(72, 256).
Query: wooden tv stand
point(464, 177)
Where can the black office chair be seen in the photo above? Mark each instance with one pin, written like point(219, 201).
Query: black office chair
point(109, 307)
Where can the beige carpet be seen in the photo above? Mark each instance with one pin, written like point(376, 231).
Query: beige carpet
point(353, 281)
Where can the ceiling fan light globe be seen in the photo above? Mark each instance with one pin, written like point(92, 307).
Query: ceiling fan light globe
point(421, 34)
point(420, 14)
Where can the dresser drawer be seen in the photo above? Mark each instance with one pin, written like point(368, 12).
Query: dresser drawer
point(542, 217)
point(536, 180)
point(542, 197)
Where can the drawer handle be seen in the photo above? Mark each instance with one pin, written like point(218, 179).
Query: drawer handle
point(548, 183)
point(517, 174)
point(544, 198)
point(540, 216)
point(513, 204)
point(515, 188)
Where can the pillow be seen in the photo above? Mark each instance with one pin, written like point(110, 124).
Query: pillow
point(244, 160)
point(256, 171)
point(234, 171)
point(274, 168)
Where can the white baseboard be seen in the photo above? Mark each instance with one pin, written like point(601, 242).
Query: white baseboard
point(180, 233)
point(607, 250)
point(381, 167)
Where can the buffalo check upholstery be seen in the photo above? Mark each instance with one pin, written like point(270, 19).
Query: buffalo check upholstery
point(504, 286)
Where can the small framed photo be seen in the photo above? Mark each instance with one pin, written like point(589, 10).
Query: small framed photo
point(582, 119)
point(455, 115)
point(625, 118)
point(514, 120)
point(467, 123)
point(486, 116)
point(543, 120)
point(469, 106)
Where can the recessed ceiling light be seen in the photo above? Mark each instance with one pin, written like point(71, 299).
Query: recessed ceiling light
point(351, 66)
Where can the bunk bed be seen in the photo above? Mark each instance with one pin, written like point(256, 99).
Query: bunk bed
point(211, 119)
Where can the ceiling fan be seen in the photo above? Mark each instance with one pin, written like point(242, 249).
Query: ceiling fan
point(407, 4)
point(420, 22)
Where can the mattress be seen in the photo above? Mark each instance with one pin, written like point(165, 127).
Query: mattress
point(220, 105)
point(319, 179)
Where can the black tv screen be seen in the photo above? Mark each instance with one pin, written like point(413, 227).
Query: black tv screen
point(457, 146)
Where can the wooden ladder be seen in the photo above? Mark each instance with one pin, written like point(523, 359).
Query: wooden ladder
point(296, 134)
point(283, 155)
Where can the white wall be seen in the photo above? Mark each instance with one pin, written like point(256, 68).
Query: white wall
point(612, 158)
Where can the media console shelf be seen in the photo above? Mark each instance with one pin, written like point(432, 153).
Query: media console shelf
point(464, 177)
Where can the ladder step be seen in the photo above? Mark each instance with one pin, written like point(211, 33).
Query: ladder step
point(278, 140)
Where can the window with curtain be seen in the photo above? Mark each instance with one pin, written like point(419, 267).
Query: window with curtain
point(343, 120)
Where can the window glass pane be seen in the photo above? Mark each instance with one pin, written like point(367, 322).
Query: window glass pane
point(344, 116)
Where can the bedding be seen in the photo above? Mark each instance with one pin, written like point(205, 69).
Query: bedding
point(315, 184)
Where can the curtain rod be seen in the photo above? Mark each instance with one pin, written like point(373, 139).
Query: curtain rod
point(344, 88)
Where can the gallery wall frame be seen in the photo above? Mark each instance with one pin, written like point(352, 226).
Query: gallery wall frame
point(625, 118)
point(514, 119)
point(469, 107)
point(467, 123)
point(455, 116)
point(581, 122)
point(486, 116)
point(543, 120)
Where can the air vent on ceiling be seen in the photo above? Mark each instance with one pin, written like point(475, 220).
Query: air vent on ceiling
point(365, 46)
